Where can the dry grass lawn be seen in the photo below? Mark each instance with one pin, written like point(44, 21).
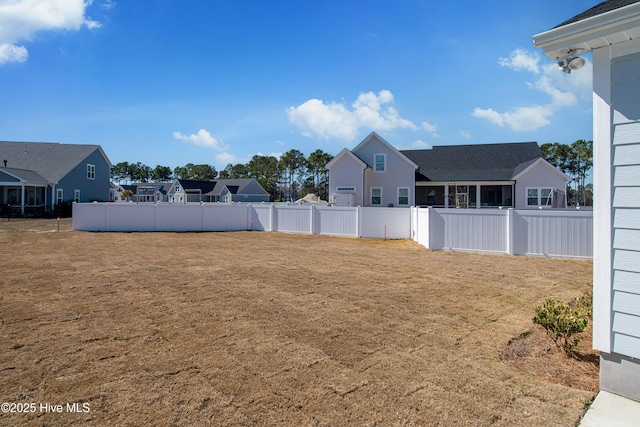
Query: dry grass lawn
point(251, 328)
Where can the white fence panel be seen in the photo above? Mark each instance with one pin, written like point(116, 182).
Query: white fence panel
point(90, 216)
point(293, 219)
point(171, 217)
point(224, 217)
point(481, 230)
point(131, 217)
point(261, 217)
point(563, 233)
point(335, 221)
point(552, 232)
point(385, 223)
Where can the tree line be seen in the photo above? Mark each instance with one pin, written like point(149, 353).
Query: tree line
point(575, 160)
point(288, 178)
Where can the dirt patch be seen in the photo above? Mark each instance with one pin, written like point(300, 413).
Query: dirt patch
point(271, 329)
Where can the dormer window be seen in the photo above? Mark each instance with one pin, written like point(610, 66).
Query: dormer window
point(380, 162)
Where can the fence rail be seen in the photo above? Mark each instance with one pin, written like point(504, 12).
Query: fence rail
point(553, 232)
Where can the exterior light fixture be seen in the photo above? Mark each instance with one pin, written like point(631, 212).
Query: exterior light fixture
point(572, 61)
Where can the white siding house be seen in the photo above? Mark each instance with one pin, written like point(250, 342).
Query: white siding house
point(375, 173)
point(611, 30)
point(464, 176)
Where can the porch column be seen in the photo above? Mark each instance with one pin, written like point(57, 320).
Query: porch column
point(513, 195)
point(446, 195)
point(22, 199)
point(478, 204)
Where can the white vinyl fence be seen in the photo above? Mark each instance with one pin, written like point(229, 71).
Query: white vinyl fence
point(553, 232)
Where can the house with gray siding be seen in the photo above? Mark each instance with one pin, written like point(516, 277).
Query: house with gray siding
point(611, 32)
point(374, 173)
point(39, 176)
point(220, 190)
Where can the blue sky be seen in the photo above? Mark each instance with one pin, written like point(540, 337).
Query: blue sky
point(168, 82)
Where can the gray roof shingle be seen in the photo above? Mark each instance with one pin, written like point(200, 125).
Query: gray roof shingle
point(599, 9)
point(26, 175)
point(485, 162)
point(51, 160)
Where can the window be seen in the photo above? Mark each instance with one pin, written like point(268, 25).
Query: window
point(376, 196)
point(539, 196)
point(59, 196)
point(380, 162)
point(403, 196)
point(547, 195)
point(91, 171)
point(76, 196)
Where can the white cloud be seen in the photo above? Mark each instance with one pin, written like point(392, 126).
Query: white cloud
point(419, 144)
point(108, 5)
point(226, 158)
point(202, 138)
point(334, 120)
point(314, 117)
point(464, 134)
point(520, 119)
point(21, 20)
point(428, 126)
point(12, 53)
point(563, 89)
point(521, 60)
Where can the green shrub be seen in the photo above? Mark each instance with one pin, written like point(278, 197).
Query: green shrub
point(585, 302)
point(562, 322)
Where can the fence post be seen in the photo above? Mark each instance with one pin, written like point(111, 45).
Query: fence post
point(358, 220)
point(510, 231)
point(272, 219)
point(311, 217)
point(427, 242)
point(107, 226)
point(414, 223)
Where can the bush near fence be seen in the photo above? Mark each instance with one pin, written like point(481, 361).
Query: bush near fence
point(549, 232)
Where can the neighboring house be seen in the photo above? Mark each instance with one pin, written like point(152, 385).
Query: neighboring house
point(221, 190)
point(36, 175)
point(462, 176)
point(142, 191)
point(487, 175)
point(374, 173)
point(611, 31)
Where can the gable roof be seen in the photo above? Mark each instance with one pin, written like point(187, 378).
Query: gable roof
point(144, 187)
point(348, 153)
point(483, 162)
point(389, 147)
point(215, 187)
point(51, 160)
point(192, 184)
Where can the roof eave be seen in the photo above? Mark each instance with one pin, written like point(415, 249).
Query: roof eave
point(598, 31)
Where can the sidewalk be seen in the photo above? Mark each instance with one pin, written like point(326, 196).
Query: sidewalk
point(612, 410)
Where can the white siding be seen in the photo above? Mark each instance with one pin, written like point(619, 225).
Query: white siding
point(625, 97)
point(540, 176)
point(398, 173)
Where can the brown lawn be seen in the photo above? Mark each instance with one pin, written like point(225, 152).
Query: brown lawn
point(250, 328)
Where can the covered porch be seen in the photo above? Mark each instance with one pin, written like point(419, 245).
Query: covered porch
point(23, 199)
point(465, 195)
